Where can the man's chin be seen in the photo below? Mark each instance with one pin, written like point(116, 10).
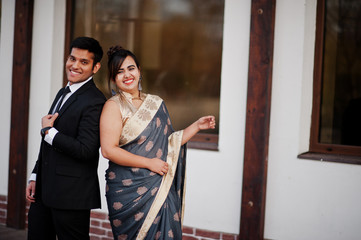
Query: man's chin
point(76, 80)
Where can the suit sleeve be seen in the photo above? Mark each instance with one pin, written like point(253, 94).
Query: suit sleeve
point(35, 169)
point(86, 145)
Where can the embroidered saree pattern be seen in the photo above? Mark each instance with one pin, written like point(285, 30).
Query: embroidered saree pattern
point(141, 203)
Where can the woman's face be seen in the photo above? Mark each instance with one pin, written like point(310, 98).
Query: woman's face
point(128, 75)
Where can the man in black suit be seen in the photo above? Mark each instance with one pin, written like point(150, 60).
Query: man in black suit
point(64, 186)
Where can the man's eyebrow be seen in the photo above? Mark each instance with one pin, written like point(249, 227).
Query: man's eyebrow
point(81, 59)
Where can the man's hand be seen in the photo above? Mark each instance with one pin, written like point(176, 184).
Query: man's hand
point(30, 191)
point(48, 120)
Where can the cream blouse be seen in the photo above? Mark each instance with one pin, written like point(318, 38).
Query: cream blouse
point(125, 103)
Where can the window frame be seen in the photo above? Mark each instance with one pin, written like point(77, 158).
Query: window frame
point(202, 141)
point(322, 151)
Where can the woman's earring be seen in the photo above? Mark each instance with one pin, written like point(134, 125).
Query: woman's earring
point(139, 84)
point(113, 86)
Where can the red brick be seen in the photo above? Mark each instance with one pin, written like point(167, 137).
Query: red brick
point(94, 223)
point(95, 238)
point(208, 234)
point(106, 225)
point(189, 238)
point(109, 233)
point(107, 238)
point(3, 198)
point(226, 236)
point(99, 215)
point(188, 230)
point(2, 213)
point(97, 231)
point(3, 205)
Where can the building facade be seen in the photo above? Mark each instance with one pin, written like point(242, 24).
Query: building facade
point(234, 191)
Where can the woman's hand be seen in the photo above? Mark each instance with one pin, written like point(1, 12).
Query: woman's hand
point(158, 166)
point(207, 122)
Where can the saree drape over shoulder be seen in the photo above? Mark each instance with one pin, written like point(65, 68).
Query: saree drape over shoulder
point(141, 203)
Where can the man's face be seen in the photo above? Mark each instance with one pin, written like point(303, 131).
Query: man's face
point(79, 66)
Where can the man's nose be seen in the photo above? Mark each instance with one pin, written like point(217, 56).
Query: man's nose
point(76, 64)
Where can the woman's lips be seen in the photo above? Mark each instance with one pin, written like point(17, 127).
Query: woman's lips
point(128, 81)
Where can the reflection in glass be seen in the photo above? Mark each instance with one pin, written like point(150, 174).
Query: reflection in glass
point(341, 88)
point(178, 43)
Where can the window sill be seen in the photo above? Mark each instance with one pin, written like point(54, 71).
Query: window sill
point(204, 141)
point(339, 158)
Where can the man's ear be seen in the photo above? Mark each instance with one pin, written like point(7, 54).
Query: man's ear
point(96, 67)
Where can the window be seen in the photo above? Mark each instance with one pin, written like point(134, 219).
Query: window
point(178, 44)
point(336, 113)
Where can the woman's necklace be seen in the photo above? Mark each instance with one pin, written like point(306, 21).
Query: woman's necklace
point(137, 98)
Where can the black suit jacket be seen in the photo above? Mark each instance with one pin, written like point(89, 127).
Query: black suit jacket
point(66, 171)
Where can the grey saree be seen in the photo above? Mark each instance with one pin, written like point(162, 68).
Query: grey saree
point(141, 203)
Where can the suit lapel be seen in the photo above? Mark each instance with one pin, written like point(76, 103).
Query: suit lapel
point(74, 96)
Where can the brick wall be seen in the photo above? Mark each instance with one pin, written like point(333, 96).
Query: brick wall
point(100, 230)
point(199, 234)
point(3, 209)
point(100, 227)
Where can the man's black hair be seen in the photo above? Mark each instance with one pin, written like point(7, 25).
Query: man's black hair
point(90, 44)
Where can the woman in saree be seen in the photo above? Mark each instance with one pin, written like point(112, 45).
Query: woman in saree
point(145, 178)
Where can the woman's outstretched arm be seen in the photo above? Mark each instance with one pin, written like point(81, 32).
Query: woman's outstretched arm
point(207, 122)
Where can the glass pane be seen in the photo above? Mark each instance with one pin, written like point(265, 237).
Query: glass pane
point(341, 87)
point(178, 44)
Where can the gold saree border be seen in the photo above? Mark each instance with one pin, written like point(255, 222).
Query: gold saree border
point(174, 145)
point(140, 120)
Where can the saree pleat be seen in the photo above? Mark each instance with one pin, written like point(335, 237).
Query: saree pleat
point(141, 203)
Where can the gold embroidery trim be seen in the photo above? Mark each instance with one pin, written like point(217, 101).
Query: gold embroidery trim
point(136, 124)
point(174, 144)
